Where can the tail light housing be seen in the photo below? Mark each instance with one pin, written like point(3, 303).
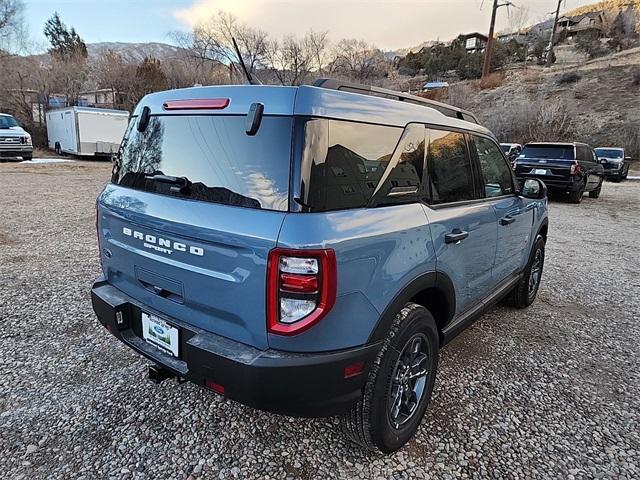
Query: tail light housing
point(575, 168)
point(301, 288)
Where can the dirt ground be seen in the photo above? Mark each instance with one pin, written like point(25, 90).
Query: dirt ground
point(552, 391)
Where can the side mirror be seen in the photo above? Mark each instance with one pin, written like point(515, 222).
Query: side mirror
point(533, 188)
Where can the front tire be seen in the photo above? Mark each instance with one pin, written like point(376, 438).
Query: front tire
point(399, 385)
point(525, 291)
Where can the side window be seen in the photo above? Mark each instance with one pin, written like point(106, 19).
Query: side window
point(450, 168)
point(403, 184)
point(347, 164)
point(496, 174)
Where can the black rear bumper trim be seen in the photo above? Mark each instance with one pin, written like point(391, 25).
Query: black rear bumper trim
point(308, 385)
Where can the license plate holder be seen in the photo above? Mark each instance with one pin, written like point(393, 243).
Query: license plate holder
point(160, 334)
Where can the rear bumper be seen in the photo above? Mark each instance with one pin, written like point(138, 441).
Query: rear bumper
point(309, 385)
point(565, 184)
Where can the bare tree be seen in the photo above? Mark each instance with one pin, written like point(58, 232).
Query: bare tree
point(318, 44)
point(358, 60)
point(290, 60)
point(518, 18)
point(212, 41)
point(12, 30)
point(187, 68)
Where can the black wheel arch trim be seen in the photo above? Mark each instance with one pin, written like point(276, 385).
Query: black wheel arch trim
point(429, 280)
point(543, 224)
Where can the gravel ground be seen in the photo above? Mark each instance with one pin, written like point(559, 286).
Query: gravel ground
point(551, 391)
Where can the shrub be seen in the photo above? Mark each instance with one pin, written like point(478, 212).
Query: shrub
point(568, 77)
point(589, 43)
point(493, 80)
point(533, 121)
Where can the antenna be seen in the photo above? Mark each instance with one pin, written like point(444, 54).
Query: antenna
point(250, 79)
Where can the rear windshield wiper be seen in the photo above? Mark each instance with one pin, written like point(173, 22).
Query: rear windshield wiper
point(179, 184)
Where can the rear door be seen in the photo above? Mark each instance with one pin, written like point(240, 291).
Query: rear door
point(463, 225)
point(514, 214)
point(196, 249)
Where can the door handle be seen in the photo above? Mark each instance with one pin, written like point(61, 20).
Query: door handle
point(508, 220)
point(455, 236)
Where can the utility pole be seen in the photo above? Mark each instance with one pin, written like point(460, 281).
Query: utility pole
point(553, 36)
point(486, 65)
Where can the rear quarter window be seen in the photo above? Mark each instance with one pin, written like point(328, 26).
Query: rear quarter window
point(343, 162)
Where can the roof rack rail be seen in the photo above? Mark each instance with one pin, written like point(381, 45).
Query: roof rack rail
point(448, 110)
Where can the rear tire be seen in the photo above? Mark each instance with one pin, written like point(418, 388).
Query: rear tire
point(596, 193)
point(57, 149)
point(525, 291)
point(396, 395)
point(576, 197)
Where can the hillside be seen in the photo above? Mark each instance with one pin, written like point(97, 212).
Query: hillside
point(133, 52)
point(604, 5)
point(597, 102)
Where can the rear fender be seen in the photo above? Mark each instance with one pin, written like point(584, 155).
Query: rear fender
point(431, 280)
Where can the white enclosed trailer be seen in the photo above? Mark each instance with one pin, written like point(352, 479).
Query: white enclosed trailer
point(86, 131)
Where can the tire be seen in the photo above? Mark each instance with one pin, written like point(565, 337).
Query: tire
point(58, 149)
point(576, 197)
point(524, 293)
point(372, 423)
point(27, 157)
point(596, 193)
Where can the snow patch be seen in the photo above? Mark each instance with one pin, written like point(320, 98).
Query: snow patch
point(48, 160)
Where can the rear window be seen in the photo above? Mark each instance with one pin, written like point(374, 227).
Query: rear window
point(220, 161)
point(609, 153)
point(559, 152)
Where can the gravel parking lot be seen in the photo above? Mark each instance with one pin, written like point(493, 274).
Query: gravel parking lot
point(551, 391)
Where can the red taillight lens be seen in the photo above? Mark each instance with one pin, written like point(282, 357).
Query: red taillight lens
point(298, 283)
point(196, 104)
point(575, 168)
point(301, 288)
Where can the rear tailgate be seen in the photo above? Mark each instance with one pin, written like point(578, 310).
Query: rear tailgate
point(552, 169)
point(200, 262)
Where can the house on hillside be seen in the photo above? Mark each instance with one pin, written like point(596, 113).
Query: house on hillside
point(474, 42)
point(102, 98)
point(520, 37)
point(592, 21)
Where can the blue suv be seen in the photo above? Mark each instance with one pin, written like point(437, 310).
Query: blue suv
point(308, 250)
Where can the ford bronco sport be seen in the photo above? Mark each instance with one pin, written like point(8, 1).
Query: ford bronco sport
point(308, 250)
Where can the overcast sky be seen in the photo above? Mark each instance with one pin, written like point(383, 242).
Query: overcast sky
point(388, 24)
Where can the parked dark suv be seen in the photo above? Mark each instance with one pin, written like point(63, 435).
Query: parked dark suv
point(309, 250)
point(568, 168)
point(614, 161)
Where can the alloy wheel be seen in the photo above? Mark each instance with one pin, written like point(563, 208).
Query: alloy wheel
point(536, 271)
point(409, 380)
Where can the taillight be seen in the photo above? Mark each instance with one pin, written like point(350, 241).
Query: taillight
point(575, 168)
point(197, 104)
point(301, 288)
